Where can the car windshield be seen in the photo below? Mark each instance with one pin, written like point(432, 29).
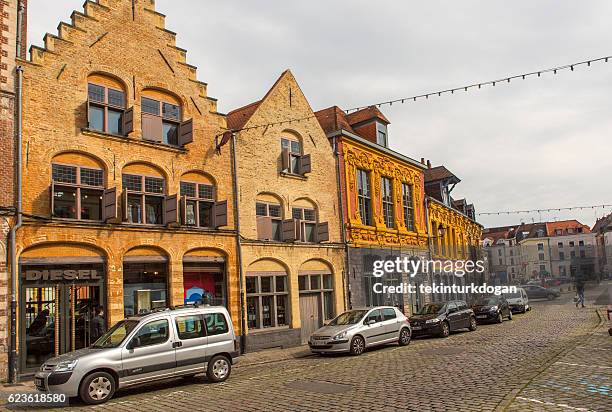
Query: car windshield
point(432, 308)
point(488, 301)
point(116, 334)
point(348, 318)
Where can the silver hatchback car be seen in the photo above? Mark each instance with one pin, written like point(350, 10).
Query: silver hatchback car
point(357, 329)
point(159, 345)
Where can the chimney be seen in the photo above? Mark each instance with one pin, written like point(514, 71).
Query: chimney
point(422, 160)
point(428, 164)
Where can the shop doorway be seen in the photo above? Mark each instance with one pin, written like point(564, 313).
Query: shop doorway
point(310, 315)
point(58, 318)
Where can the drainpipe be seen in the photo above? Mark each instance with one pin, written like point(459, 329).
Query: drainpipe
point(238, 243)
point(13, 376)
point(18, 37)
point(347, 262)
point(429, 238)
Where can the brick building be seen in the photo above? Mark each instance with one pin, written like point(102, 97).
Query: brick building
point(130, 207)
point(292, 254)
point(13, 25)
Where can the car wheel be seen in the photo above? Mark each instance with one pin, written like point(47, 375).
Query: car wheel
point(357, 346)
point(550, 296)
point(500, 317)
point(219, 369)
point(97, 388)
point(404, 337)
point(473, 324)
point(445, 330)
point(509, 315)
point(524, 309)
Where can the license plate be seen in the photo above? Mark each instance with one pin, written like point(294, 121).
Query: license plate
point(481, 316)
point(38, 382)
point(417, 327)
point(318, 343)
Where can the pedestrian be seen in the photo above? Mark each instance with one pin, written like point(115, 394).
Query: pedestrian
point(98, 324)
point(580, 292)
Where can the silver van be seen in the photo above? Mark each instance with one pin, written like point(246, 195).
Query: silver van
point(519, 301)
point(162, 344)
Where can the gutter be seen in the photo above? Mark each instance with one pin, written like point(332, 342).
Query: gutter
point(12, 366)
point(238, 244)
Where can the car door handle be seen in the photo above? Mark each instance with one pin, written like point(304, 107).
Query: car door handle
point(177, 344)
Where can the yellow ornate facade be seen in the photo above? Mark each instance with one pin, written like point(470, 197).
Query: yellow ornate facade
point(453, 233)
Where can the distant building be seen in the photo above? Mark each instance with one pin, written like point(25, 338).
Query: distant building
point(603, 237)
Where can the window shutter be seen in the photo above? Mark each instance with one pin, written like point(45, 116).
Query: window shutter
point(171, 210)
point(128, 121)
point(220, 214)
point(322, 232)
point(124, 206)
point(184, 210)
point(152, 128)
point(285, 159)
point(52, 190)
point(264, 228)
point(290, 230)
point(185, 133)
point(109, 204)
point(87, 113)
point(305, 164)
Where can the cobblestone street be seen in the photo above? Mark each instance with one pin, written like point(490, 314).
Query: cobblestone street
point(556, 357)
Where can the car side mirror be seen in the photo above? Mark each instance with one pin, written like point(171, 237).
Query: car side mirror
point(370, 322)
point(134, 343)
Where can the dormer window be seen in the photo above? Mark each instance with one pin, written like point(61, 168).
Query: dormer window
point(381, 134)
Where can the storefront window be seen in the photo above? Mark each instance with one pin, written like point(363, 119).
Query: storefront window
point(204, 283)
point(267, 301)
point(145, 287)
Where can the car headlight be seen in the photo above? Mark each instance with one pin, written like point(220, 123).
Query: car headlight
point(341, 335)
point(493, 309)
point(435, 320)
point(67, 366)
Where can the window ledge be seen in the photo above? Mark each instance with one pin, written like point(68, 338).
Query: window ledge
point(293, 176)
point(269, 330)
point(104, 135)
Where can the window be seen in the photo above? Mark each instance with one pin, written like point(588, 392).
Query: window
point(153, 333)
point(501, 262)
point(267, 301)
point(160, 121)
point(389, 314)
point(511, 261)
point(106, 107)
point(198, 202)
point(582, 254)
point(387, 201)
point(540, 246)
point(294, 149)
point(364, 197)
point(573, 254)
point(144, 198)
point(216, 324)
point(572, 244)
point(381, 134)
point(499, 252)
point(560, 245)
point(145, 287)
point(322, 285)
point(190, 327)
point(77, 192)
point(274, 213)
point(561, 255)
point(511, 252)
point(308, 219)
point(408, 206)
point(541, 256)
point(542, 269)
point(581, 243)
point(375, 316)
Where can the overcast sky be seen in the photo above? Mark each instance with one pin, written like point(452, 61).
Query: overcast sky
point(532, 144)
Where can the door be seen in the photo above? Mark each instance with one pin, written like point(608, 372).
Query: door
point(38, 320)
point(310, 314)
point(191, 343)
point(454, 316)
point(374, 328)
point(391, 322)
point(150, 354)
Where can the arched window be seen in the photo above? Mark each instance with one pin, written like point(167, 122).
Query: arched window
point(269, 217)
point(197, 200)
point(78, 190)
point(294, 161)
point(143, 196)
point(306, 213)
point(106, 105)
point(162, 119)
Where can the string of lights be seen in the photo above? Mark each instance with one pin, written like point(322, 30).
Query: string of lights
point(414, 98)
point(554, 209)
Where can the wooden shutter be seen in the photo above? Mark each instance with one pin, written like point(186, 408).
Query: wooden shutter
point(286, 159)
point(305, 164)
point(87, 113)
point(322, 232)
point(184, 210)
point(171, 210)
point(220, 214)
point(109, 204)
point(152, 128)
point(128, 121)
point(124, 206)
point(264, 228)
point(185, 133)
point(290, 230)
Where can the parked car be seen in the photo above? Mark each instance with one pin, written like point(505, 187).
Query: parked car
point(492, 308)
point(442, 318)
point(162, 344)
point(355, 330)
point(519, 301)
point(539, 292)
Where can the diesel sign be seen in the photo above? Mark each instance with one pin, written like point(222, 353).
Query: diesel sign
point(58, 274)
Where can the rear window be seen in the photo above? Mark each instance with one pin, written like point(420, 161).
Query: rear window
point(190, 327)
point(389, 314)
point(216, 324)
